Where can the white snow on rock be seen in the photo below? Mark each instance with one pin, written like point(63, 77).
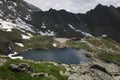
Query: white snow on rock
point(20, 44)
point(5, 25)
point(1, 13)
point(11, 8)
point(71, 26)
point(26, 37)
point(84, 33)
point(14, 3)
point(104, 35)
point(48, 33)
point(17, 57)
point(1, 2)
point(43, 26)
point(23, 25)
point(54, 45)
point(28, 17)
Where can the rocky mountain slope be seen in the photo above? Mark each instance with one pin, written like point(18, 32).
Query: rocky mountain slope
point(60, 23)
point(16, 14)
point(101, 20)
point(21, 22)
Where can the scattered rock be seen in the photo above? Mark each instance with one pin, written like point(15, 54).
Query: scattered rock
point(2, 61)
point(21, 67)
point(95, 70)
point(39, 75)
point(25, 68)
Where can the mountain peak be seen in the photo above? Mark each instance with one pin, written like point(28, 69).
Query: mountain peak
point(100, 6)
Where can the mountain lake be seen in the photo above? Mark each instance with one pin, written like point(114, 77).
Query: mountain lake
point(65, 55)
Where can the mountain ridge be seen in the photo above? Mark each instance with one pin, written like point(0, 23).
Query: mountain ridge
point(60, 23)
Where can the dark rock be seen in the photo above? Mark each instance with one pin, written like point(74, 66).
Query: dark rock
point(21, 67)
point(99, 68)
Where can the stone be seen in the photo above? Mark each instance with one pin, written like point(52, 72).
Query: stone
point(102, 75)
point(80, 77)
point(39, 75)
point(2, 61)
point(21, 67)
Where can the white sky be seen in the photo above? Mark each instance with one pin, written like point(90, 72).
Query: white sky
point(76, 6)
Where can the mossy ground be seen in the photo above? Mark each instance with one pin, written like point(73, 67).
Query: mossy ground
point(105, 48)
point(9, 39)
point(49, 68)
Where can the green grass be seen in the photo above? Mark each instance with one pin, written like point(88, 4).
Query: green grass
point(40, 42)
point(49, 68)
point(109, 57)
point(94, 41)
point(10, 38)
point(109, 43)
point(78, 45)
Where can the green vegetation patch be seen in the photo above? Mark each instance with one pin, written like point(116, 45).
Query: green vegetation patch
point(94, 41)
point(41, 42)
point(109, 43)
point(49, 68)
point(109, 57)
point(79, 45)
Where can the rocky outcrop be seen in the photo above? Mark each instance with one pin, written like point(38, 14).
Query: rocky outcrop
point(94, 70)
point(21, 67)
point(25, 68)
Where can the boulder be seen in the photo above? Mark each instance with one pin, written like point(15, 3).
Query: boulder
point(21, 67)
point(39, 75)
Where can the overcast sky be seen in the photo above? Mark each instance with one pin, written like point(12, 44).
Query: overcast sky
point(76, 6)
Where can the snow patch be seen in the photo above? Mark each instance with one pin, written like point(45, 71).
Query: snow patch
point(14, 3)
point(28, 17)
point(48, 33)
point(29, 10)
point(71, 26)
point(43, 26)
point(17, 57)
point(104, 35)
point(54, 45)
point(6, 25)
point(1, 2)
point(25, 37)
point(20, 44)
point(1, 13)
point(84, 33)
point(23, 25)
point(11, 8)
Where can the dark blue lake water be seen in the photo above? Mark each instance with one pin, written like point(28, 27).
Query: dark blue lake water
point(66, 55)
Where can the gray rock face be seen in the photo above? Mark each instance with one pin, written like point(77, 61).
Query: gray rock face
point(94, 70)
point(21, 67)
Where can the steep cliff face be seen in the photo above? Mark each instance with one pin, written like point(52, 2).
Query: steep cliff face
point(103, 20)
point(60, 23)
point(16, 13)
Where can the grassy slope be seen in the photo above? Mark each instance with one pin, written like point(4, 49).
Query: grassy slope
point(49, 68)
point(10, 38)
point(104, 48)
